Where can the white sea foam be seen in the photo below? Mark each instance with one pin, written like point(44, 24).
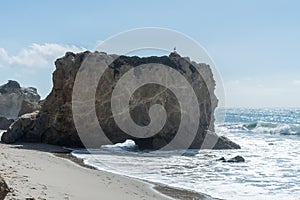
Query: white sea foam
point(271, 170)
point(1, 132)
point(264, 127)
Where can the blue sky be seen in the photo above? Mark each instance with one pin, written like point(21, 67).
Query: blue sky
point(255, 44)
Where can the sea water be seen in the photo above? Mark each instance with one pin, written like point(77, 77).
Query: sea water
point(270, 141)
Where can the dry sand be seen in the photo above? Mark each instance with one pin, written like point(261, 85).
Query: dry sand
point(32, 171)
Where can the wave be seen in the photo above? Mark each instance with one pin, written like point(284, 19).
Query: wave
point(129, 148)
point(266, 127)
point(118, 149)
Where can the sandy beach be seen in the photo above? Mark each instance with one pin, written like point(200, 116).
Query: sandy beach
point(32, 171)
point(41, 171)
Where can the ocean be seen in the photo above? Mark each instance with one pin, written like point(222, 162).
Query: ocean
point(270, 141)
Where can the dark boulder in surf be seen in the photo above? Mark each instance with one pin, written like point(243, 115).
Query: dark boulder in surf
point(236, 159)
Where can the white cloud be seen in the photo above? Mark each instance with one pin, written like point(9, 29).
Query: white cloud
point(37, 55)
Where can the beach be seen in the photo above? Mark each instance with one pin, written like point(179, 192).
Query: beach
point(32, 171)
point(42, 171)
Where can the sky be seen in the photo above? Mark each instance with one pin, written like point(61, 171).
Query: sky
point(254, 44)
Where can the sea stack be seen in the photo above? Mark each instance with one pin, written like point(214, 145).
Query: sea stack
point(54, 123)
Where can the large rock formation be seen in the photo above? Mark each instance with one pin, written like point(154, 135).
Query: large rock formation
point(16, 101)
point(54, 123)
point(25, 129)
point(12, 96)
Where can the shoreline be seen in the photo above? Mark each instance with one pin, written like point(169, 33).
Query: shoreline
point(42, 171)
point(31, 171)
point(174, 193)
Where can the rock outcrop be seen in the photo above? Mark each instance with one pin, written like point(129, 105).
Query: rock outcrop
point(24, 129)
point(5, 123)
point(54, 123)
point(236, 159)
point(13, 98)
point(29, 107)
point(3, 189)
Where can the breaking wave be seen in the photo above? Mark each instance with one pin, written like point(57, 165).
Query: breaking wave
point(266, 127)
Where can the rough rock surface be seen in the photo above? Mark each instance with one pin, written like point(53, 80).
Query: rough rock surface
point(3, 189)
point(12, 96)
point(5, 123)
point(54, 123)
point(235, 159)
point(24, 128)
point(29, 107)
